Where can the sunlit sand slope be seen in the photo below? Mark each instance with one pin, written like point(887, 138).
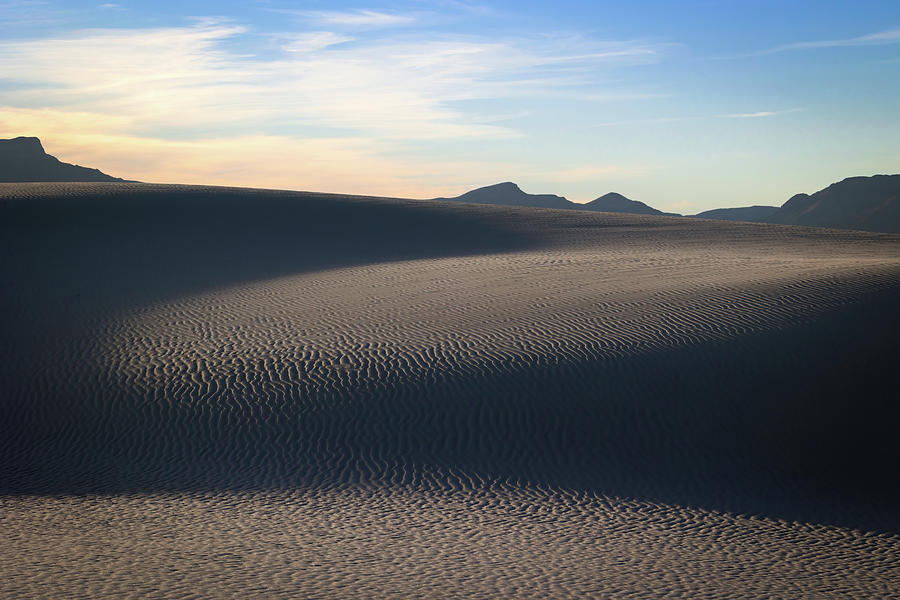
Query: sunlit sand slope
point(219, 391)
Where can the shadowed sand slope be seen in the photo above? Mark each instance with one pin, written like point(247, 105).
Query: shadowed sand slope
point(752, 214)
point(308, 394)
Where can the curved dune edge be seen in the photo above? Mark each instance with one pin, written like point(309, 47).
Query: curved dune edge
point(483, 387)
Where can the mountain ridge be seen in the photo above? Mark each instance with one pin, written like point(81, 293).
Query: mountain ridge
point(864, 203)
point(510, 194)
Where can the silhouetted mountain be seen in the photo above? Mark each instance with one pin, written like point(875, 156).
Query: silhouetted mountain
point(617, 203)
point(509, 194)
point(753, 214)
point(866, 203)
point(24, 159)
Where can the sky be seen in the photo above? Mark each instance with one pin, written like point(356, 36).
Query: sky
point(686, 105)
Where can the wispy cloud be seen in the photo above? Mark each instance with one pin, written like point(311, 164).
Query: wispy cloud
point(748, 115)
point(759, 114)
point(391, 88)
point(152, 97)
point(312, 41)
point(474, 8)
point(353, 18)
point(753, 115)
point(891, 36)
point(22, 4)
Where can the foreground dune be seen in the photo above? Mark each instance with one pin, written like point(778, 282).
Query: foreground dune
point(214, 392)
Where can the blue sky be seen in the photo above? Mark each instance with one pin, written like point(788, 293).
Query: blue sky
point(684, 105)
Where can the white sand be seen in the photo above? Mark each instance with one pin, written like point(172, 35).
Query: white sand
point(216, 392)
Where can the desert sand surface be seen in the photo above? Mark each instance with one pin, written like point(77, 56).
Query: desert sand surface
point(223, 392)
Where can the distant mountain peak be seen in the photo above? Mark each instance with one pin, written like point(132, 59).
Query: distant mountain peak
point(613, 196)
point(24, 159)
point(616, 202)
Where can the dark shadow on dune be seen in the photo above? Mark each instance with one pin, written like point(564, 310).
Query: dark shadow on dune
point(138, 244)
point(799, 423)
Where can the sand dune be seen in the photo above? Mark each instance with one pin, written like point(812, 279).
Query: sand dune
point(216, 391)
point(752, 214)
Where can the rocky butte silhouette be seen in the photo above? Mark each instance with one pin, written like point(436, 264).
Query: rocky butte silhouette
point(510, 194)
point(23, 159)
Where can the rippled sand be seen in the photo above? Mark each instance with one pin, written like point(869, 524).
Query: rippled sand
point(214, 392)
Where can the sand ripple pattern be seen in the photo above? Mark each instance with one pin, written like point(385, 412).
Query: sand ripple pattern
point(393, 347)
point(506, 542)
